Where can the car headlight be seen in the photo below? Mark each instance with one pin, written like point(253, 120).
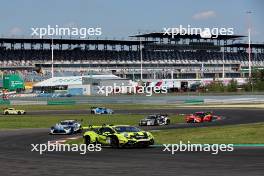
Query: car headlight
point(126, 135)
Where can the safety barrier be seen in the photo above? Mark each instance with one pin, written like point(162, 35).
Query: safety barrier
point(66, 102)
point(4, 102)
point(194, 101)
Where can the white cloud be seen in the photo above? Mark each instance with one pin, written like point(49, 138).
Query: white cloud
point(15, 31)
point(204, 15)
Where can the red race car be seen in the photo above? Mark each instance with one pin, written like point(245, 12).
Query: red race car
point(199, 117)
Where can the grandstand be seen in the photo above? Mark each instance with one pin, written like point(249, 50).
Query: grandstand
point(163, 57)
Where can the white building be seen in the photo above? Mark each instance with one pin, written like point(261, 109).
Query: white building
point(79, 85)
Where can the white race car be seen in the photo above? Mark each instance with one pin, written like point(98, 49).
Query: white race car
point(155, 120)
point(66, 127)
point(13, 111)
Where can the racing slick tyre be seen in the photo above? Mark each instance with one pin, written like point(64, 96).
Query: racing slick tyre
point(114, 142)
point(6, 113)
point(92, 112)
point(72, 131)
point(152, 142)
point(80, 130)
point(87, 140)
point(167, 122)
point(19, 113)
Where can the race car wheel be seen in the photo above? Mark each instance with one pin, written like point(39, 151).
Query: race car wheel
point(6, 113)
point(167, 122)
point(80, 130)
point(72, 131)
point(151, 142)
point(92, 112)
point(114, 142)
point(87, 140)
point(19, 113)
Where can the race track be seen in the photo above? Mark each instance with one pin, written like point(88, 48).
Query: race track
point(229, 116)
point(17, 159)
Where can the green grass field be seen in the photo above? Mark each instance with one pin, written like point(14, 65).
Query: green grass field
point(248, 133)
point(233, 134)
point(87, 106)
point(43, 121)
point(125, 106)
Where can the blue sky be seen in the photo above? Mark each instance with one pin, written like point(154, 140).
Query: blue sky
point(121, 18)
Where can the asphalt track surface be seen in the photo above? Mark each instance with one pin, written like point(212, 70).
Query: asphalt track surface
point(229, 116)
point(16, 157)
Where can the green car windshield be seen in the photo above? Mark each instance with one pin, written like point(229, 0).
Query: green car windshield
point(121, 129)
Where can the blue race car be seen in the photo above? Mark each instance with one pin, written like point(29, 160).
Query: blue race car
point(98, 110)
point(66, 127)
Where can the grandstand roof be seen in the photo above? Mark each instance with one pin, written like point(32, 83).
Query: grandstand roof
point(191, 46)
point(72, 41)
point(70, 80)
point(187, 36)
point(245, 45)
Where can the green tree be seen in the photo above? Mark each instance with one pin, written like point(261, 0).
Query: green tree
point(257, 80)
point(232, 86)
point(215, 86)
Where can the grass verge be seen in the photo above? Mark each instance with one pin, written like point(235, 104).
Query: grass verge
point(43, 121)
point(131, 106)
point(231, 134)
point(87, 106)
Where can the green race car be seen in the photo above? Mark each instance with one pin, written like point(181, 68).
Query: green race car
point(118, 136)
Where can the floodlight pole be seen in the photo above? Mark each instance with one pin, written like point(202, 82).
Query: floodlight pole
point(223, 57)
point(249, 46)
point(249, 52)
point(52, 58)
point(141, 60)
